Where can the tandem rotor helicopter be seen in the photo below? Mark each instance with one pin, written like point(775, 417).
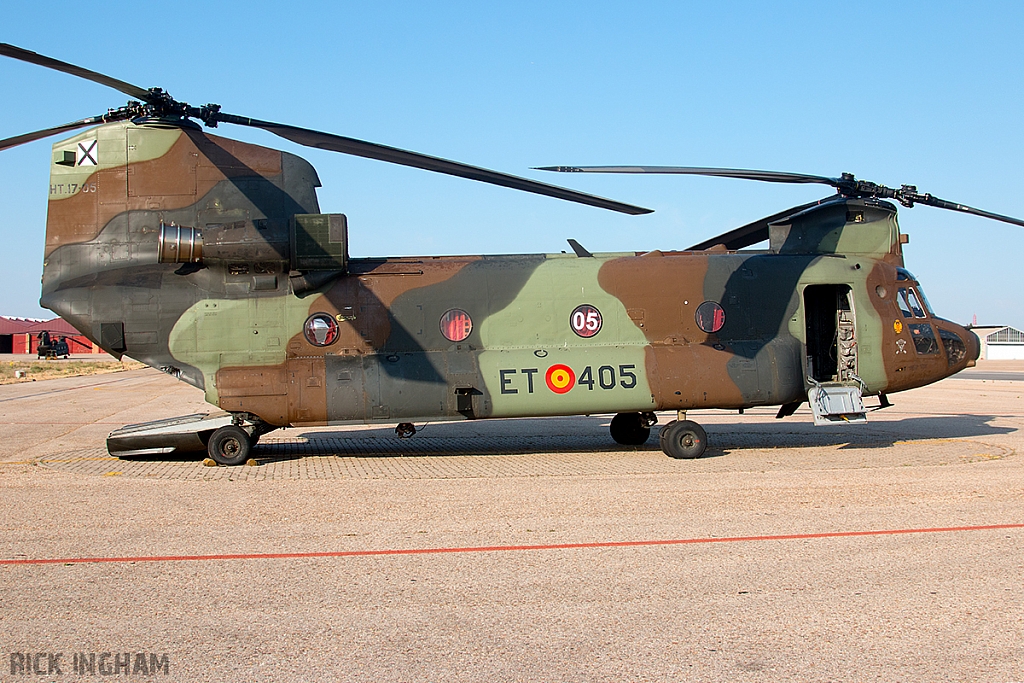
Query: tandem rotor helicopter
point(210, 259)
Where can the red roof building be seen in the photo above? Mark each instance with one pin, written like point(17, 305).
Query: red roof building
point(21, 335)
point(15, 325)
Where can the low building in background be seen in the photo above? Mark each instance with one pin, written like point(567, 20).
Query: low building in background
point(21, 335)
point(11, 327)
point(1000, 342)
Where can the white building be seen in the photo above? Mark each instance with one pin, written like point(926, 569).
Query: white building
point(1000, 342)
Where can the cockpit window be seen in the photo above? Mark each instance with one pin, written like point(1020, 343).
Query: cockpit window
point(924, 300)
point(924, 339)
point(915, 305)
point(901, 299)
point(903, 274)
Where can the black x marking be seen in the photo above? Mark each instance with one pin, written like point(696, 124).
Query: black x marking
point(87, 153)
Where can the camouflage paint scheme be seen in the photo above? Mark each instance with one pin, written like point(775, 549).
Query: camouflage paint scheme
point(233, 326)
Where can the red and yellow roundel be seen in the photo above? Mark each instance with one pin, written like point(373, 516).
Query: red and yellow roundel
point(560, 378)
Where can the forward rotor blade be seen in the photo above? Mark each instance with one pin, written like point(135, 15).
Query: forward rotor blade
point(847, 185)
point(768, 176)
point(50, 63)
point(371, 150)
point(39, 134)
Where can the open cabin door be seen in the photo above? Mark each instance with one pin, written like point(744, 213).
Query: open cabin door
point(835, 393)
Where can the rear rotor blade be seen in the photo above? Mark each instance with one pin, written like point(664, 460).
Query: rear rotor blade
point(50, 63)
point(394, 155)
point(39, 134)
point(768, 176)
point(161, 104)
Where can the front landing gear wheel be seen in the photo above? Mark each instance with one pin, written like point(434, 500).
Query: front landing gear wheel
point(630, 429)
point(683, 439)
point(229, 445)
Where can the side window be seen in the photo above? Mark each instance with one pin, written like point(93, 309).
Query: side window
point(901, 299)
point(915, 305)
point(955, 349)
point(924, 339)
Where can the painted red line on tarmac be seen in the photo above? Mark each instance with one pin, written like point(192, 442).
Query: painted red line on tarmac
point(507, 548)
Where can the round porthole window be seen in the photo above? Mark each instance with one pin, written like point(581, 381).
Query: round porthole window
point(456, 325)
point(710, 316)
point(320, 329)
point(586, 321)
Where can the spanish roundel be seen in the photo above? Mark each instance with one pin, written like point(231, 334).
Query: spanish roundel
point(560, 378)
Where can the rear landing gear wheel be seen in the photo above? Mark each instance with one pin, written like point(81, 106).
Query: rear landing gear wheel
point(229, 445)
point(683, 439)
point(630, 429)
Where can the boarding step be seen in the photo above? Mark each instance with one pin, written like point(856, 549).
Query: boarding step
point(834, 403)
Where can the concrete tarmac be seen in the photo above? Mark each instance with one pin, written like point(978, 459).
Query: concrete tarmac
point(530, 550)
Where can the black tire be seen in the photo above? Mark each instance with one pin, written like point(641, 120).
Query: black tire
point(683, 439)
point(662, 432)
point(229, 445)
point(629, 430)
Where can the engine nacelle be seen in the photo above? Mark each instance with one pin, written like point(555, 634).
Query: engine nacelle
point(179, 244)
point(316, 242)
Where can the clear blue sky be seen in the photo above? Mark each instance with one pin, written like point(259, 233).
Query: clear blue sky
point(925, 93)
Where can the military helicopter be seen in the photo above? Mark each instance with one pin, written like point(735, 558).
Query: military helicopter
point(209, 259)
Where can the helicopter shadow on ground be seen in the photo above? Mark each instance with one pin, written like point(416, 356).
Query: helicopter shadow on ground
point(174, 457)
point(735, 436)
point(534, 436)
point(524, 436)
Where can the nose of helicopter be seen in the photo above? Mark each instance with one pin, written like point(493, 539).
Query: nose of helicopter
point(961, 344)
point(973, 347)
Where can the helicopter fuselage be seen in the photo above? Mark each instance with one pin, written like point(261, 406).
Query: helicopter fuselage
point(209, 259)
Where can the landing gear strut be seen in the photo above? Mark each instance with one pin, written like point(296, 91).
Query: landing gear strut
point(683, 439)
point(632, 429)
